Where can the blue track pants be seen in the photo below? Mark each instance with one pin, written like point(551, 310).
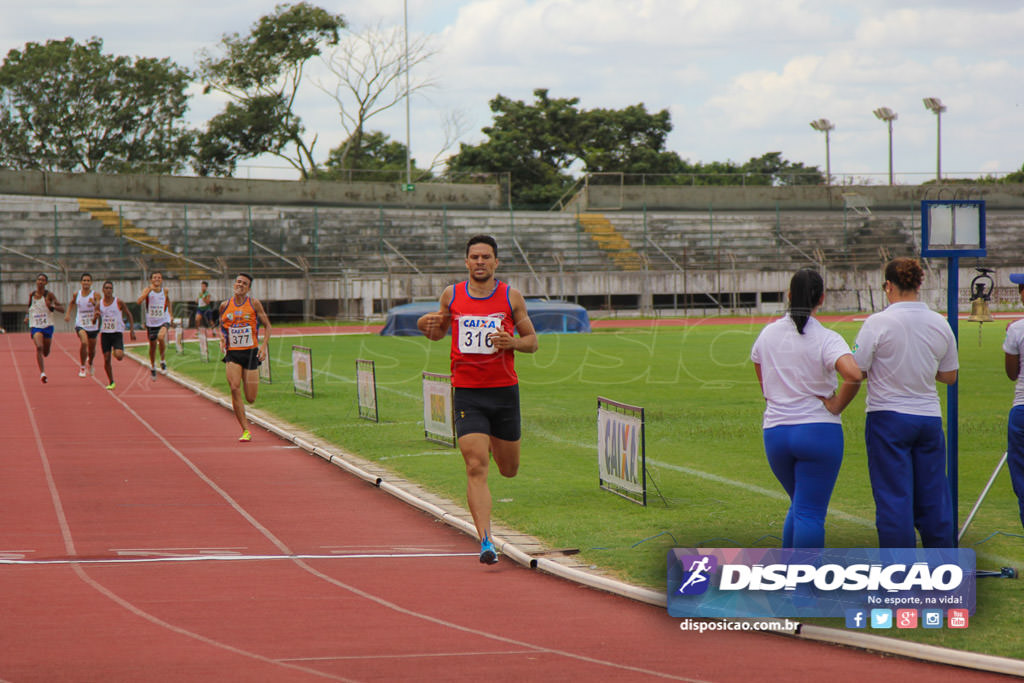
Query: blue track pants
point(907, 466)
point(805, 458)
point(1015, 454)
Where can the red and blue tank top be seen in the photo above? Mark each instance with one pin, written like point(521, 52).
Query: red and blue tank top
point(475, 362)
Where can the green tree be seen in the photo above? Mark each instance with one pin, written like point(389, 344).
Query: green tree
point(1015, 177)
point(534, 143)
point(379, 159)
point(629, 140)
point(66, 106)
point(772, 169)
point(261, 72)
point(540, 145)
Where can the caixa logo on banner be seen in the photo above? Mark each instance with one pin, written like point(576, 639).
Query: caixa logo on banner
point(816, 582)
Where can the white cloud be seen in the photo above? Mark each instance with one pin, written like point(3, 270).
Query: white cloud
point(740, 77)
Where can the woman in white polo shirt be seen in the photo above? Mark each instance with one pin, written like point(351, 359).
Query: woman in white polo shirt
point(796, 360)
point(903, 350)
point(1013, 349)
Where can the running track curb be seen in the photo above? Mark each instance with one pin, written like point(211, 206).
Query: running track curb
point(865, 641)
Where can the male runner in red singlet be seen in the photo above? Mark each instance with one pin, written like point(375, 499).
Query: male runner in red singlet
point(241, 318)
point(483, 314)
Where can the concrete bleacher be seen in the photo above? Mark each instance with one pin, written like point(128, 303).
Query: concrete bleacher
point(54, 232)
point(332, 241)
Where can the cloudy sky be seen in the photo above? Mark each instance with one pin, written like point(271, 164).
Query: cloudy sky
point(739, 77)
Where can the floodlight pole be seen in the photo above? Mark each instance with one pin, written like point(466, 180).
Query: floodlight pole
point(887, 115)
point(934, 104)
point(825, 126)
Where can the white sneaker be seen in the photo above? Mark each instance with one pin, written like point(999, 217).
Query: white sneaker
point(42, 377)
point(81, 372)
point(92, 371)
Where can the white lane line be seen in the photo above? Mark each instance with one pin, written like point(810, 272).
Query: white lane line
point(414, 655)
point(376, 598)
point(103, 590)
point(228, 558)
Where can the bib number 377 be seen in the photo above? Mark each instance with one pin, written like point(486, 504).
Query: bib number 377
point(240, 337)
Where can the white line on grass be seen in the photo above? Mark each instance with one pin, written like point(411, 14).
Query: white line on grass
point(410, 455)
point(753, 488)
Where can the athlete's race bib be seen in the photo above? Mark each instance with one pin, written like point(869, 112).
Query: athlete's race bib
point(240, 336)
point(39, 320)
point(109, 325)
point(475, 333)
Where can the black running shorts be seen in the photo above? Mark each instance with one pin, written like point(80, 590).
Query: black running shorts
point(493, 411)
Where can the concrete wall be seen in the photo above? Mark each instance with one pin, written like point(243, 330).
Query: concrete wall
point(142, 187)
point(158, 188)
point(817, 197)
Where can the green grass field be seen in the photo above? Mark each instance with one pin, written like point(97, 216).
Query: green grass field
point(708, 485)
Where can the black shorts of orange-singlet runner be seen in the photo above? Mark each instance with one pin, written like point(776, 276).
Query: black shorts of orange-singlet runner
point(247, 358)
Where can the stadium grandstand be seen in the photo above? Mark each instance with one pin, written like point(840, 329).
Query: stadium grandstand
point(691, 251)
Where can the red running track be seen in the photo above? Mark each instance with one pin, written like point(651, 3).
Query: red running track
point(111, 502)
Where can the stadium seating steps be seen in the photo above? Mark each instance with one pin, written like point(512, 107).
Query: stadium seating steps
point(285, 241)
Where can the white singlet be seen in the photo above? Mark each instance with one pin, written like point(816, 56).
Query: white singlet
point(156, 309)
point(86, 308)
point(39, 313)
point(110, 318)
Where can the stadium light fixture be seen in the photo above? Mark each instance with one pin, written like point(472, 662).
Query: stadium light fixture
point(887, 115)
point(824, 125)
point(935, 105)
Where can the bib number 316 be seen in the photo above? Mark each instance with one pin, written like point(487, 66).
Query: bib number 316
point(475, 334)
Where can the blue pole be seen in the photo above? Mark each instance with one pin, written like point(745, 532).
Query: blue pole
point(952, 400)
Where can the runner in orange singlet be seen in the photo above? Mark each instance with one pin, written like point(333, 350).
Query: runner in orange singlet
point(241, 318)
point(483, 314)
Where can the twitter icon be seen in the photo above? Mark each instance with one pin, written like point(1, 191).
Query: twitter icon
point(881, 618)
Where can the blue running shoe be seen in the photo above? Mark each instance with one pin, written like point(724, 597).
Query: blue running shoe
point(488, 555)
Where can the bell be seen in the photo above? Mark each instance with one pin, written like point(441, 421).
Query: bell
point(980, 312)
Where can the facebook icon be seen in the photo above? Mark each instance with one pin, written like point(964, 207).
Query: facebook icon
point(856, 618)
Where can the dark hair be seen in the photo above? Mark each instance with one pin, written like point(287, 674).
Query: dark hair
point(85, 275)
point(204, 282)
point(43, 275)
point(107, 282)
point(905, 273)
point(247, 276)
point(805, 291)
point(482, 239)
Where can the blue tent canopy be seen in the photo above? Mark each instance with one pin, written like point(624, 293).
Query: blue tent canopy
point(547, 316)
